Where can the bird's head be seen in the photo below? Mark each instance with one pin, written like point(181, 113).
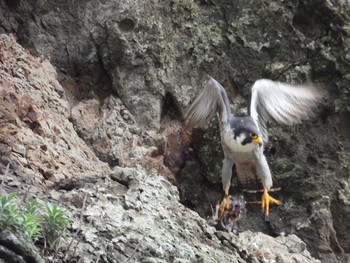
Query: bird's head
point(242, 135)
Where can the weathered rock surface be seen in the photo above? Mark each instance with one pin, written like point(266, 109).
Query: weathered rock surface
point(128, 68)
point(134, 216)
point(127, 215)
point(15, 249)
point(37, 137)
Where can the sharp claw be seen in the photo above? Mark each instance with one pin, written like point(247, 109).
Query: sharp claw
point(225, 203)
point(265, 201)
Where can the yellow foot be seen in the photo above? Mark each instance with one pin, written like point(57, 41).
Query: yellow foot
point(265, 201)
point(225, 203)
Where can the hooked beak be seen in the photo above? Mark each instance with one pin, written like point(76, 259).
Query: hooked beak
point(258, 141)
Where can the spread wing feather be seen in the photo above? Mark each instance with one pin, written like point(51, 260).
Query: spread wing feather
point(283, 103)
point(213, 99)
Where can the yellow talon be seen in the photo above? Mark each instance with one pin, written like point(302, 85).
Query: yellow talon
point(265, 201)
point(225, 203)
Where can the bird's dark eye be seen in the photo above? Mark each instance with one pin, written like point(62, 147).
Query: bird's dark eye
point(253, 135)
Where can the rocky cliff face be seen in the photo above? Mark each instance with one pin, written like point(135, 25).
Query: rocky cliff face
point(128, 214)
point(109, 116)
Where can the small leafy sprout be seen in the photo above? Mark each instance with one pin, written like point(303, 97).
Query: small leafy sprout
point(53, 223)
point(31, 220)
point(9, 211)
point(31, 207)
point(31, 226)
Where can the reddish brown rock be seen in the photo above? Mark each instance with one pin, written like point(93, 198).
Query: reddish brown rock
point(37, 137)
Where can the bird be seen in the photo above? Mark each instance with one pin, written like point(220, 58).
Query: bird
point(243, 138)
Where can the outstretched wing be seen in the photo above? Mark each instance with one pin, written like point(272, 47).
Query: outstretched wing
point(213, 99)
point(283, 103)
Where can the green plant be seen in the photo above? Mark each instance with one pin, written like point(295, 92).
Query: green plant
point(53, 223)
point(9, 212)
point(30, 220)
point(31, 207)
point(30, 225)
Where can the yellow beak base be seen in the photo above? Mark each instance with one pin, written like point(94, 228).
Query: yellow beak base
point(257, 140)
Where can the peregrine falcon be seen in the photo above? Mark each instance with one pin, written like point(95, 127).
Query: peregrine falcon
point(243, 138)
